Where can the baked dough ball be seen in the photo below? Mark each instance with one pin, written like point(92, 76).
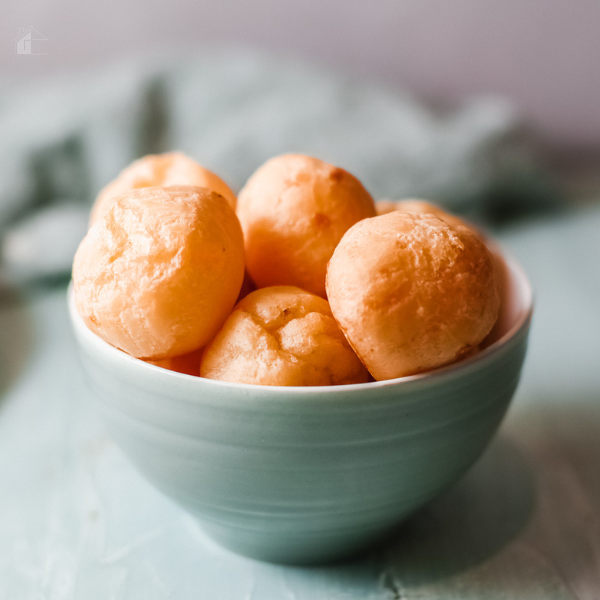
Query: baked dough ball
point(411, 293)
point(423, 207)
point(161, 170)
point(294, 210)
point(189, 364)
point(160, 270)
point(418, 207)
point(282, 336)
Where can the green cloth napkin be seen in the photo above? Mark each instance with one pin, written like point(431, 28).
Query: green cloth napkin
point(62, 140)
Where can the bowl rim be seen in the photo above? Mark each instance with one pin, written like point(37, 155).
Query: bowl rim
point(521, 325)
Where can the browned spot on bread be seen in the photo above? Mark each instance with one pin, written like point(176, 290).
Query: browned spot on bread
point(321, 220)
point(337, 174)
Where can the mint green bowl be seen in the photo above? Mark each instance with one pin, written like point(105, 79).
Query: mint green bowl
point(305, 475)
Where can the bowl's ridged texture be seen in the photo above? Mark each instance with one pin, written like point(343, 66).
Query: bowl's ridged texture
point(301, 475)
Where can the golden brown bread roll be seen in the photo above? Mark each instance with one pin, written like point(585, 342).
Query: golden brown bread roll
point(282, 335)
point(160, 270)
point(411, 293)
point(294, 210)
point(161, 170)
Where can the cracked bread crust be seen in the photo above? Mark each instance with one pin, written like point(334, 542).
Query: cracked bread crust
point(282, 336)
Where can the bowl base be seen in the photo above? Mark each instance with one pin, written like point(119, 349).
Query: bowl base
point(299, 550)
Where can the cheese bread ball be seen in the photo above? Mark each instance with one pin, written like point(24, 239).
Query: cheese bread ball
point(160, 270)
point(418, 207)
point(189, 364)
point(422, 207)
point(161, 170)
point(282, 336)
point(294, 210)
point(411, 292)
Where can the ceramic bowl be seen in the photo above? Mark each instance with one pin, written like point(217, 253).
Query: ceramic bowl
point(305, 475)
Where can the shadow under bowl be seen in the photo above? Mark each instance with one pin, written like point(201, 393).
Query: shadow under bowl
point(306, 475)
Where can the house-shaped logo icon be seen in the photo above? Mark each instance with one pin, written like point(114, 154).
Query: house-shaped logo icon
point(24, 42)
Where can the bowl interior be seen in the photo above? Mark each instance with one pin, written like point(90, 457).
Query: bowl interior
point(516, 299)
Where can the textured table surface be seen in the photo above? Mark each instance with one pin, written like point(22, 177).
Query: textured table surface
point(78, 522)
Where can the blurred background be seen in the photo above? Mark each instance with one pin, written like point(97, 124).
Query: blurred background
point(542, 53)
